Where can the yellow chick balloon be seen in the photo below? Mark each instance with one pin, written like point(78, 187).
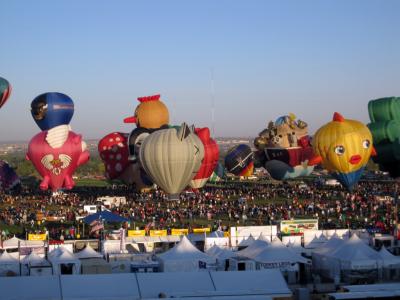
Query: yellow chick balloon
point(343, 147)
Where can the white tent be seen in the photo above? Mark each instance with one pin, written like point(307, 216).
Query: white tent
point(388, 259)
point(64, 262)
point(9, 266)
point(342, 258)
point(277, 255)
point(221, 255)
point(34, 265)
point(253, 249)
point(355, 254)
point(316, 242)
point(88, 252)
point(184, 257)
point(11, 243)
point(92, 262)
point(247, 242)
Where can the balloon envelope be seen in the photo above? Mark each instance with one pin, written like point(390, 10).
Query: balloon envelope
point(52, 109)
point(5, 91)
point(286, 146)
point(151, 113)
point(239, 160)
point(56, 165)
point(210, 160)
point(344, 147)
point(8, 177)
point(172, 157)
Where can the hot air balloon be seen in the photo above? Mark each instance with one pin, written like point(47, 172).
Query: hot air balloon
point(284, 148)
point(8, 177)
point(172, 158)
point(151, 113)
point(239, 160)
point(218, 173)
point(385, 128)
point(52, 109)
point(5, 91)
point(343, 147)
point(210, 160)
point(57, 151)
point(114, 152)
point(56, 165)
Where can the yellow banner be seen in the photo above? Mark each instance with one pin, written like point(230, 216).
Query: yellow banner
point(176, 231)
point(37, 237)
point(158, 233)
point(134, 233)
point(201, 230)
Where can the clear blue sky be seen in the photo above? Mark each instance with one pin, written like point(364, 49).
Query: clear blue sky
point(269, 58)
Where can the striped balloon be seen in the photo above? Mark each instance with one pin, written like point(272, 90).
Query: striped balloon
point(5, 91)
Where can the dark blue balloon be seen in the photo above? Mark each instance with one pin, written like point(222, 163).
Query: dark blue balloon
point(52, 109)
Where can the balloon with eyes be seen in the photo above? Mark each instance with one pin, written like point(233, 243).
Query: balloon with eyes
point(56, 152)
point(284, 148)
point(343, 147)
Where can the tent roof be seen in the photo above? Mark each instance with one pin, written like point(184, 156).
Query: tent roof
point(354, 249)
point(106, 215)
point(388, 258)
point(247, 242)
point(184, 250)
point(333, 243)
point(64, 256)
point(220, 253)
point(35, 260)
point(278, 252)
point(11, 243)
point(253, 249)
point(88, 252)
point(317, 242)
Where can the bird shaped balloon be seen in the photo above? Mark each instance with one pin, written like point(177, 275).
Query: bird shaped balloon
point(343, 147)
point(5, 91)
point(56, 152)
point(210, 161)
point(151, 113)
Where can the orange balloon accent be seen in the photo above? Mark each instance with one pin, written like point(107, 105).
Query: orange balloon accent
point(338, 117)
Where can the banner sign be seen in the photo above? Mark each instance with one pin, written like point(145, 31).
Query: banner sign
point(37, 237)
point(201, 230)
point(295, 227)
point(158, 232)
point(135, 233)
point(176, 231)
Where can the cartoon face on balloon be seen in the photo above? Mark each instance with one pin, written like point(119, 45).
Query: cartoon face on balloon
point(344, 145)
point(151, 113)
point(344, 148)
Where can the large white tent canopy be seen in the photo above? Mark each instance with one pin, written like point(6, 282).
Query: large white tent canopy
point(185, 257)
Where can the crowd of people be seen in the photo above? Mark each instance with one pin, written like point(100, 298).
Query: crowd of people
point(370, 205)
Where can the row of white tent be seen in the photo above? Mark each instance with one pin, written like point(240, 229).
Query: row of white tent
point(58, 261)
point(184, 256)
point(335, 256)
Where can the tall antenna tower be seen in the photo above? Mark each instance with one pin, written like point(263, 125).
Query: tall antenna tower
point(212, 103)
